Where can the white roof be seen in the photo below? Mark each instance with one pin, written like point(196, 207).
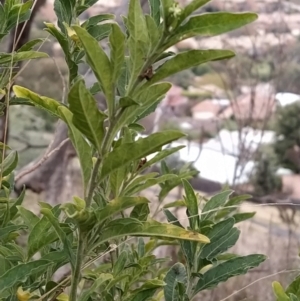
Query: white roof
point(285, 99)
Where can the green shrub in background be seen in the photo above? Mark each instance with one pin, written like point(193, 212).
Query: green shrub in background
point(113, 165)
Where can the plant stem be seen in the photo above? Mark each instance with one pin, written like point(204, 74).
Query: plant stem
point(81, 241)
point(77, 269)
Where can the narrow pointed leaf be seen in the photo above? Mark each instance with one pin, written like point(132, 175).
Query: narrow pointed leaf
point(134, 227)
point(21, 272)
point(211, 24)
point(177, 274)
point(21, 56)
point(221, 245)
point(118, 205)
point(117, 53)
point(240, 217)
point(215, 202)
point(225, 270)
point(29, 217)
point(139, 149)
point(192, 7)
point(186, 60)
point(192, 205)
point(60, 233)
point(86, 116)
point(120, 263)
point(9, 163)
point(45, 103)
point(83, 149)
point(99, 62)
point(155, 10)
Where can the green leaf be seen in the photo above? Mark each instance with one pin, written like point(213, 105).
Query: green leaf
point(45, 103)
point(100, 32)
point(139, 149)
point(240, 217)
point(117, 53)
point(154, 33)
point(210, 24)
point(60, 233)
point(64, 11)
point(186, 60)
point(64, 43)
point(4, 232)
point(279, 292)
point(83, 149)
point(145, 100)
point(155, 10)
point(9, 163)
point(30, 44)
point(13, 209)
point(190, 8)
point(21, 56)
point(221, 245)
point(137, 42)
point(176, 204)
point(162, 155)
point(120, 263)
point(225, 270)
point(118, 205)
point(86, 115)
point(21, 272)
point(132, 189)
point(127, 102)
point(215, 202)
point(41, 235)
point(19, 13)
point(97, 19)
point(140, 212)
point(219, 229)
point(192, 205)
point(146, 291)
point(134, 227)
point(100, 64)
point(177, 274)
point(97, 283)
point(294, 287)
point(29, 217)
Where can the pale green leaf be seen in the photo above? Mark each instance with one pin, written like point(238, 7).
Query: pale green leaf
point(21, 56)
point(190, 8)
point(45, 103)
point(86, 116)
point(192, 205)
point(83, 149)
point(210, 24)
point(186, 60)
point(9, 164)
point(117, 53)
point(133, 227)
point(155, 10)
point(240, 217)
point(100, 64)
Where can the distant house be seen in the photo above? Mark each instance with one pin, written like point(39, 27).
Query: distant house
point(209, 109)
point(251, 107)
point(175, 102)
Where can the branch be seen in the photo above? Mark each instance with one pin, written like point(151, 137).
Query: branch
point(43, 159)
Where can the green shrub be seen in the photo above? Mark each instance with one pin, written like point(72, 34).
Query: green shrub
point(113, 166)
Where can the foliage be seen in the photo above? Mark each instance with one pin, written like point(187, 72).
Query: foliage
point(288, 136)
point(112, 160)
point(264, 178)
point(291, 293)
